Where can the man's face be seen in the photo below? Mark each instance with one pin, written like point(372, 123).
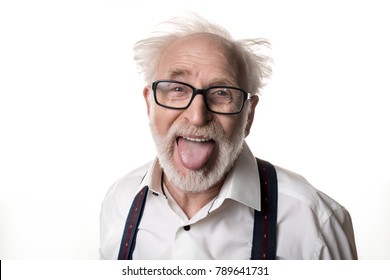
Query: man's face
point(196, 148)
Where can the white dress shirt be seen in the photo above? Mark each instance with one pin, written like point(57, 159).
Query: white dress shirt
point(310, 225)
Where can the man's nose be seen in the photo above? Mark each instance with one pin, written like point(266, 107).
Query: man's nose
point(197, 113)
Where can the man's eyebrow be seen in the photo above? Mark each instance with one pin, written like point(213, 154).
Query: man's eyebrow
point(223, 81)
point(174, 73)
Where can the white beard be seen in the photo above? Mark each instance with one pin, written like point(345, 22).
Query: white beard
point(198, 180)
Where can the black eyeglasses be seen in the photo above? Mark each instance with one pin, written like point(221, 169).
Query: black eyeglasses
point(218, 99)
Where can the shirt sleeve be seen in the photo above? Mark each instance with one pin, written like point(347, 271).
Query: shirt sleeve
point(337, 241)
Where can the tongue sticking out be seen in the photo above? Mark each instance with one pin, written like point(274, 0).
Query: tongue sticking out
point(194, 154)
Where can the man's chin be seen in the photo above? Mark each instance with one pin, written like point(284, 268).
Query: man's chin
point(188, 180)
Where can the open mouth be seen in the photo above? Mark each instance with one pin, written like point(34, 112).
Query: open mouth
point(194, 152)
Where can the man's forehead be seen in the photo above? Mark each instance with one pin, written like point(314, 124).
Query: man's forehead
point(206, 47)
point(183, 73)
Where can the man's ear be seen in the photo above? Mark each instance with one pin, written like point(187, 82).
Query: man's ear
point(253, 103)
point(146, 92)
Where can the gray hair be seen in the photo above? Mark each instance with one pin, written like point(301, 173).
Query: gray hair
point(249, 52)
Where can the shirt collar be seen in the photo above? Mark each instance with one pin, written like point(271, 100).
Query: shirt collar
point(152, 178)
point(242, 183)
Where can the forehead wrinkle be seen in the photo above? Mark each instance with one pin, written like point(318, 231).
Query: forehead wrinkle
point(225, 80)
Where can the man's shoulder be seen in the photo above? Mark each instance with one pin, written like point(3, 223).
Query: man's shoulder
point(127, 185)
point(134, 175)
point(296, 189)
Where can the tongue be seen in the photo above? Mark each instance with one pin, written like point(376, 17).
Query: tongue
point(194, 155)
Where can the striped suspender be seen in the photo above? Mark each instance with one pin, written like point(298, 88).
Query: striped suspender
point(264, 229)
point(131, 227)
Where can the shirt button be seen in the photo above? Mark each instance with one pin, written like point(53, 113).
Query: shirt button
point(187, 227)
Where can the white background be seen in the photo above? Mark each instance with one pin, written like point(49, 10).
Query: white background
point(73, 120)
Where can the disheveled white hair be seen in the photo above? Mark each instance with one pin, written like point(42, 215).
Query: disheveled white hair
point(249, 52)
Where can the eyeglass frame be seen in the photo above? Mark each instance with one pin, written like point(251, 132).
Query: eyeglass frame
point(195, 92)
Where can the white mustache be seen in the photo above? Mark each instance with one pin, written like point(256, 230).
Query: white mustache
point(183, 129)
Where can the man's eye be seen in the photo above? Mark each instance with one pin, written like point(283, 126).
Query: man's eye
point(178, 89)
point(221, 93)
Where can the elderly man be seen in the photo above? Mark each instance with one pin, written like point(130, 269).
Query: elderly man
point(206, 196)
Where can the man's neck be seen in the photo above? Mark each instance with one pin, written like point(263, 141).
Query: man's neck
point(192, 202)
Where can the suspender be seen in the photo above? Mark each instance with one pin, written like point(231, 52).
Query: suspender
point(131, 227)
point(264, 229)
